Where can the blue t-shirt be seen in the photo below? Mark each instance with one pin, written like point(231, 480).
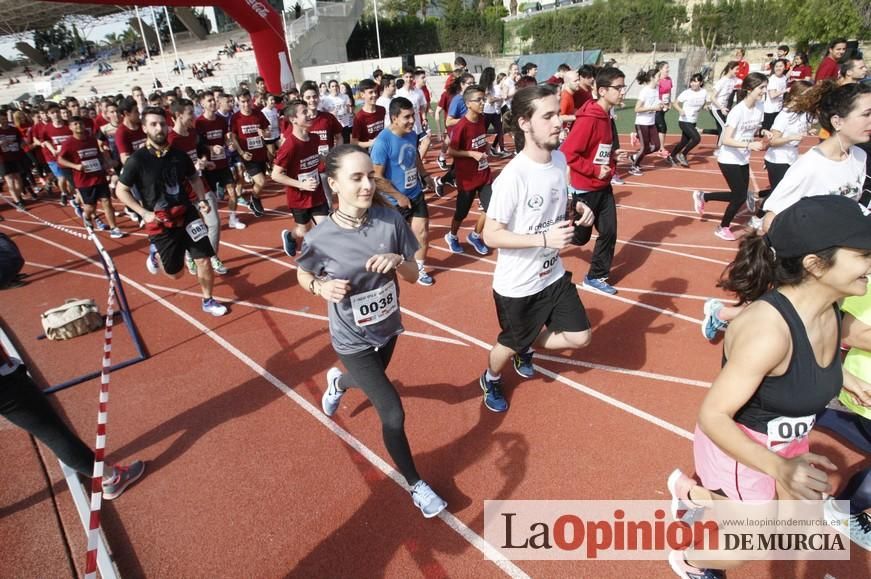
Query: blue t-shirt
point(457, 108)
point(398, 156)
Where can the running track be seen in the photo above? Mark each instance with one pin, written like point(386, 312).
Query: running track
point(246, 477)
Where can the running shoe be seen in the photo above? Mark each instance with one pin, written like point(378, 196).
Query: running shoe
point(682, 159)
point(671, 161)
point(124, 477)
point(635, 170)
point(333, 394)
point(453, 243)
point(19, 205)
point(439, 187)
point(218, 266)
point(523, 364)
point(212, 306)
point(255, 206)
point(63, 199)
point(242, 200)
point(856, 527)
point(429, 503)
point(442, 163)
point(99, 224)
point(234, 223)
point(424, 278)
point(751, 202)
point(682, 506)
point(600, 284)
point(755, 223)
point(288, 242)
point(117, 233)
point(725, 233)
point(712, 324)
point(493, 398)
point(686, 571)
point(616, 180)
point(699, 202)
point(78, 209)
point(151, 264)
point(477, 242)
point(190, 263)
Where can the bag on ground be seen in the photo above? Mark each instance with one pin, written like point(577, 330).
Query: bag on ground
point(75, 318)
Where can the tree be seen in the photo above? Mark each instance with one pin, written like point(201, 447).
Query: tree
point(56, 42)
point(822, 20)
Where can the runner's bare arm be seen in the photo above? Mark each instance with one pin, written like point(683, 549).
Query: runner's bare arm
point(125, 196)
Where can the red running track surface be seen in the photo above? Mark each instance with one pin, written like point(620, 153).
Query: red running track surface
point(246, 477)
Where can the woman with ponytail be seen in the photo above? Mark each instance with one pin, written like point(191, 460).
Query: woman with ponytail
point(781, 365)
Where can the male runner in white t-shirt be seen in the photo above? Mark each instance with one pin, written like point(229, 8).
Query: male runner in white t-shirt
point(526, 221)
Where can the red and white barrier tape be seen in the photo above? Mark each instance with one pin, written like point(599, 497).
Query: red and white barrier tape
point(100, 447)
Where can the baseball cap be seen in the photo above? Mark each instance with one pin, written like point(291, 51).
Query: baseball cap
point(820, 222)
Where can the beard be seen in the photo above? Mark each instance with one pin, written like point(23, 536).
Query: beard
point(158, 138)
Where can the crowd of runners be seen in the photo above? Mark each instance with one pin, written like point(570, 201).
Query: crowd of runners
point(356, 185)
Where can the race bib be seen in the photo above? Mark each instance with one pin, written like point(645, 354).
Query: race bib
point(217, 156)
point(254, 143)
point(374, 306)
point(323, 150)
point(410, 178)
point(309, 176)
point(603, 154)
point(91, 165)
point(483, 163)
point(197, 229)
point(786, 429)
point(548, 260)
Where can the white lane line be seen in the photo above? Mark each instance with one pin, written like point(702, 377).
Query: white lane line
point(664, 294)
point(619, 370)
point(450, 519)
point(687, 245)
point(640, 304)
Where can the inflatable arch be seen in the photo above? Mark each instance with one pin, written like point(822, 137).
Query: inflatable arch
point(257, 17)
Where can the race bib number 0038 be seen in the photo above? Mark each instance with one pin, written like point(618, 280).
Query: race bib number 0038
point(374, 306)
point(784, 430)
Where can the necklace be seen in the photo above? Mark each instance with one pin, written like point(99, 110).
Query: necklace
point(350, 219)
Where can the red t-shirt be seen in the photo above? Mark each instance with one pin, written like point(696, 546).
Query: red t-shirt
point(56, 135)
point(828, 69)
point(11, 144)
point(801, 72)
point(214, 132)
point(323, 130)
point(87, 152)
point(555, 80)
point(426, 95)
point(187, 144)
point(247, 131)
point(90, 126)
point(300, 161)
point(128, 140)
point(367, 125)
point(100, 120)
point(469, 136)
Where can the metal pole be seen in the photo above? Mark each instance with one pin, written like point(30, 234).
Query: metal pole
point(145, 42)
point(172, 37)
point(377, 33)
point(159, 43)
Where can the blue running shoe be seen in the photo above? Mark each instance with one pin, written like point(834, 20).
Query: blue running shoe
point(453, 243)
point(424, 278)
point(600, 284)
point(478, 243)
point(523, 364)
point(493, 398)
point(712, 324)
point(288, 242)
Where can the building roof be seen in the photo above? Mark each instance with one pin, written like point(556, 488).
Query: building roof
point(17, 16)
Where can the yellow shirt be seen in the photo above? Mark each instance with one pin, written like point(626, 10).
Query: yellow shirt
point(858, 362)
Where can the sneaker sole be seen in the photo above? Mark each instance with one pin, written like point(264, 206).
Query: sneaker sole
point(524, 376)
point(672, 488)
point(707, 310)
point(479, 252)
point(435, 514)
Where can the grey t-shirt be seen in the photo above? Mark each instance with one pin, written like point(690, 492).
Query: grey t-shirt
point(369, 315)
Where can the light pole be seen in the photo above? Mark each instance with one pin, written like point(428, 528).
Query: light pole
point(377, 32)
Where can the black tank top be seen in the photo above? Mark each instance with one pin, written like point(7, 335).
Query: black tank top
point(805, 388)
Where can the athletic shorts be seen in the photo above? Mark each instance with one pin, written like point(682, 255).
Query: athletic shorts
point(557, 306)
point(216, 177)
point(465, 198)
point(255, 167)
point(303, 216)
point(233, 158)
point(172, 243)
point(60, 172)
point(10, 168)
point(270, 141)
point(418, 208)
point(91, 194)
point(721, 473)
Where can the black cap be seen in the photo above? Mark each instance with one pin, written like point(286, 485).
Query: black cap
point(817, 223)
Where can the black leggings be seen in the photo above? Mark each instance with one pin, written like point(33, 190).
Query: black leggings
point(346, 134)
point(776, 171)
point(659, 122)
point(689, 138)
point(495, 120)
point(719, 122)
point(366, 370)
point(648, 138)
point(24, 404)
point(738, 178)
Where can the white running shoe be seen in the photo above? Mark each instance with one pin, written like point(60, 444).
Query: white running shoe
point(332, 395)
point(234, 223)
point(426, 499)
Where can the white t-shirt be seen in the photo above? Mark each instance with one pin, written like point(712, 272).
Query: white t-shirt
point(494, 107)
point(648, 97)
point(384, 101)
point(746, 122)
point(528, 198)
point(815, 174)
point(723, 90)
point(692, 101)
point(418, 101)
point(774, 105)
point(508, 90)
point(272, 116)
point(337, 105)
point(787, 123)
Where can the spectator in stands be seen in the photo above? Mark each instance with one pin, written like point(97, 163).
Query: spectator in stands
point(297, 11)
